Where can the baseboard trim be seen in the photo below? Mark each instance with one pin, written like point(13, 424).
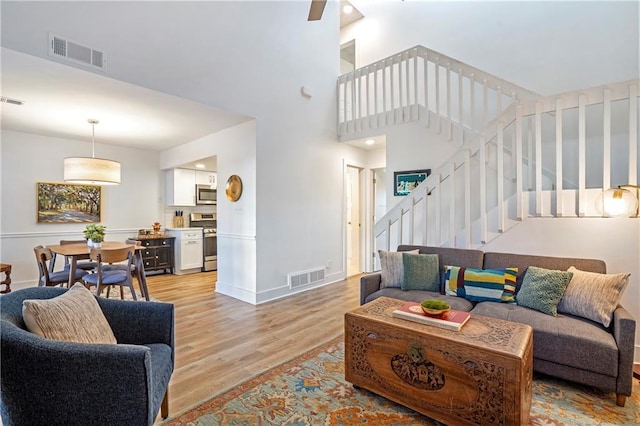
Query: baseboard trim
point(236, 292)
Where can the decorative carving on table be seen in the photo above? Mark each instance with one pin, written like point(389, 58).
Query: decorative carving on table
point(415, 369)
point(6, 268)
point(478, 375)
point(487, 408)
point(490, 331)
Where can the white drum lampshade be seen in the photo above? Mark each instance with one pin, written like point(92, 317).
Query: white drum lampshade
point(91, 170)
point(88, 170)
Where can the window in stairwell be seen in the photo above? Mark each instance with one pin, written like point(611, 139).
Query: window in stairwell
point(348, 57)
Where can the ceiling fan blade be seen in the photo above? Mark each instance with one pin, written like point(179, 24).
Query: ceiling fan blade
point(316, 9)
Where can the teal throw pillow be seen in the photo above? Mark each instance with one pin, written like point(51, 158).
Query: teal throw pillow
point(421, 272)
point(542, 289)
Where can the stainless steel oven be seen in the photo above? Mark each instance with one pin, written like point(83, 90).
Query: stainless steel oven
point(210, 250)
point(208, 223)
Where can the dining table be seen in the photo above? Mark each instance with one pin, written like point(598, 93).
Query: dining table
point(77, 251)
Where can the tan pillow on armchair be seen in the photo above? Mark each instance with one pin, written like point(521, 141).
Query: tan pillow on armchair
point(74, 316)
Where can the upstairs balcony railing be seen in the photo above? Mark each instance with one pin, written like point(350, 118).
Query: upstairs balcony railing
point(421, 84)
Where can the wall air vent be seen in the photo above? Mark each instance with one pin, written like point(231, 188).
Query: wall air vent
point(305, 278)
point(70, 51)
point(11, 101)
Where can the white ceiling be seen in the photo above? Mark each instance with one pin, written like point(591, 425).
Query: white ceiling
point(59, 99)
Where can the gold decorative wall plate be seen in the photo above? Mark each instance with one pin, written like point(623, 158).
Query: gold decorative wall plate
point(234, 188)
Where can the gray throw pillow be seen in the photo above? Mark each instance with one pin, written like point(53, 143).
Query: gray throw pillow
point(421, 272)
point(392, 270)
point(542, 289)
point(593, 296)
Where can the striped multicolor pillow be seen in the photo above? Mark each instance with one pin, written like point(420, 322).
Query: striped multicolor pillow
point(478, 285)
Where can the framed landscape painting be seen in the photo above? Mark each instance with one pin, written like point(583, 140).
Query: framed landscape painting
point(405, 182)
point(69, 203)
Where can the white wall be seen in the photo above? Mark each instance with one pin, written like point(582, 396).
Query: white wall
point(546, 47)
point(616, 241)
point(414, 147)
point(235, 149)
point(240, 56)
point(26, 159)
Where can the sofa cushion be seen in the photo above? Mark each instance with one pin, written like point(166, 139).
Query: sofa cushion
point(418, 296)
point(593, 296)
point(477, 285)
point(74, 316)
point(421, 272)
point(564, 339)
point(542, 289)
point(392, 269)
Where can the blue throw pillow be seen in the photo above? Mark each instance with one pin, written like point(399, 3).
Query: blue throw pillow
point(542, 289)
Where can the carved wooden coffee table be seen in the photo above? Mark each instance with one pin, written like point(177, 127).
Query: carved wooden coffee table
point(481, 374)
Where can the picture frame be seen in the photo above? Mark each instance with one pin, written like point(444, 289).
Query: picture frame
point(406, 181)
point(68, 203)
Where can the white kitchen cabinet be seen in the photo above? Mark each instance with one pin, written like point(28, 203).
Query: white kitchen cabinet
point(181, 187)
point(189, 254)
point(207, 178)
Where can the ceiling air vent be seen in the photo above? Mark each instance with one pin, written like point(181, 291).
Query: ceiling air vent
point(70, 51)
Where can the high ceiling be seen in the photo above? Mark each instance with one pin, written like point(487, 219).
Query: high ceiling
point(59, 99)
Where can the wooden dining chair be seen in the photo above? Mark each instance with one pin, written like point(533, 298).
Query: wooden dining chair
point(123, 266)
point(49, 277)
point(106, 275)
point(134, 272)
point(86, 265)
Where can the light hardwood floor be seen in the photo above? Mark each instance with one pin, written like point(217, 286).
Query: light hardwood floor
point(221, 341)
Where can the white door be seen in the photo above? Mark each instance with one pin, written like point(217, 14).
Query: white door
point(353, 221)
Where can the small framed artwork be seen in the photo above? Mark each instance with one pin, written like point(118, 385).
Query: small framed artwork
point(405, 182)
point(68, 203)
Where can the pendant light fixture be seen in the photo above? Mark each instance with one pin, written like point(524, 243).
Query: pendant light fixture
point(91, 170)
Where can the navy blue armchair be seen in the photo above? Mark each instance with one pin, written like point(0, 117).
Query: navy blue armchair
point(62, 383)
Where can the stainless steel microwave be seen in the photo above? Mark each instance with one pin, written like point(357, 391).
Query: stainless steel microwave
point(206, 195)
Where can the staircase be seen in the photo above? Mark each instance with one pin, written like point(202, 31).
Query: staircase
point(519, 155)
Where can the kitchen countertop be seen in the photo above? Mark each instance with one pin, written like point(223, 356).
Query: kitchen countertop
point(183, 229)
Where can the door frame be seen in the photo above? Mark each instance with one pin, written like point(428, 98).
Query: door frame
point(365, 184)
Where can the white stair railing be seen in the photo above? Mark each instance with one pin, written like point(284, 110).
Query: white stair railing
point(547, 156)
point(421, 84)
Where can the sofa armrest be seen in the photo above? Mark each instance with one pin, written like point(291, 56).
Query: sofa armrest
point(154, 321)
point(624, 332)
point(368, 284)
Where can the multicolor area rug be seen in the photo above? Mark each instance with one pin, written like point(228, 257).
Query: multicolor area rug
point(311, 390)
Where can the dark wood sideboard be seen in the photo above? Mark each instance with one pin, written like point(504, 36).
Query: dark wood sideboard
point(157, 254)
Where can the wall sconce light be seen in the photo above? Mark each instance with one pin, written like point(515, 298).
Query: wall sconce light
point(619, 202)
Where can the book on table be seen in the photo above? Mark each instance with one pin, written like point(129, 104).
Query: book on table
point(450, 320)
